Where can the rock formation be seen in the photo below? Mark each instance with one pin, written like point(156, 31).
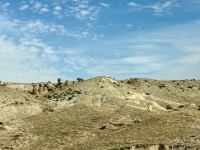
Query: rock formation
point(80, 79)
point(59, 84)
point(45, 89)
point(67, 83)
point(50, 86)
point(40, 90)
point(35, 90)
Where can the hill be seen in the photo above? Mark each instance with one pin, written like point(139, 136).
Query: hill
point(102, 113)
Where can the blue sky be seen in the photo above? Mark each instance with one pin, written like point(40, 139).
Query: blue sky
point(44, 40)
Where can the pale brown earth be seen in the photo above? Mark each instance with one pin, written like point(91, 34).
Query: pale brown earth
point(102, 113)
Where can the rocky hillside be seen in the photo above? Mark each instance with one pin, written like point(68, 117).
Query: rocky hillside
point(102, 113)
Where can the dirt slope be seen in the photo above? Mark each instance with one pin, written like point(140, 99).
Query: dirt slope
point(17, 104)
point(103, 113)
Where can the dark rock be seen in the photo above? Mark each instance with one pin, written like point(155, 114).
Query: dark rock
point(168, 107)
point(48, 110)
point(102, 127)
point(49, 96)
point(181, 106)
point(69, 98)
point(147, 93)
point(161, 85)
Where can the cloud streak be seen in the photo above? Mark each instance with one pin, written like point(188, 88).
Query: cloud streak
point(23, 7)
point(104, 4)
point(158, 8)
point(5, 5)
point(133, 4)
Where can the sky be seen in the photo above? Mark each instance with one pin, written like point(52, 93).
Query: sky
point(41, 40)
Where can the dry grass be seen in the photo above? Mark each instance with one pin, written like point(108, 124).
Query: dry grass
point(79, 128)
point(78, 123)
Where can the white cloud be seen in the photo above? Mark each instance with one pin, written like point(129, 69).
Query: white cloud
point(29, 62)
point(94, 11)
point(24, 7)
point(30, 58)
point(5, 5)
point(159, 7)
point(44, 10)
point(97, 36)
point(39, 27)
point(31, 1)
point(115, 67)
point(129, 25)
point(78, 34)
point(35, 26)
point(37, 5)
point(83, 11)
point(171, 53)
point(104, 4)
point(46, 5)
point(57, 8)
point(56, 13)
point(78, 62)
point(133, 4)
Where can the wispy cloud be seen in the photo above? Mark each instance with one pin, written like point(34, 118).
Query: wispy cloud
point(104, 4)
point(170, 52)
point(29, 62)
point(129, 25)
point(30, 58)
point(55, 12)
point(165, 53)
point(39, 27)
point(44, 10)
point(57, 8)
point(24, 7)
point(94, 66)
point(82, 10)
point(158, 8)
point(31, 1)
point(133, 4)
point(5, 5)
point(37, 5)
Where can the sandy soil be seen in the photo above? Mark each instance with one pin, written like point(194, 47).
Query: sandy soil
point(102, 113)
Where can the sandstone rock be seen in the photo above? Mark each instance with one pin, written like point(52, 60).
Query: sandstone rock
point(1, 83)
point(40, 89)
point(150, 108)
point(59, 84)
point(35, 90)
point(45, 89)
point(80, 79)
point(67, 83)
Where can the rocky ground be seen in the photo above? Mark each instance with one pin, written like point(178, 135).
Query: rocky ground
point(102, 113)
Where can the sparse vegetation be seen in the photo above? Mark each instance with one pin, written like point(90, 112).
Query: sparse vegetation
point(102, 113)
